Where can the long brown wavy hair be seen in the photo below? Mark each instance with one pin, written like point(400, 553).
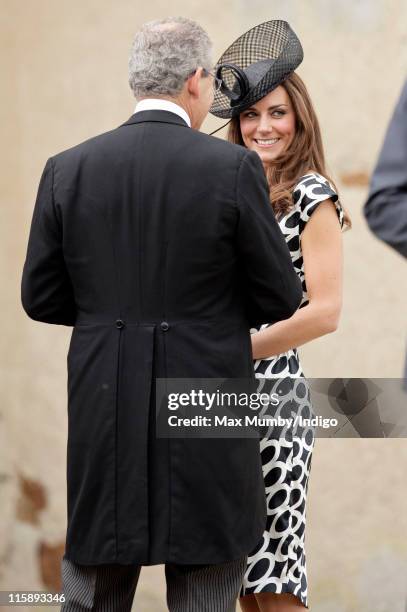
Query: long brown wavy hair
point(305, 153)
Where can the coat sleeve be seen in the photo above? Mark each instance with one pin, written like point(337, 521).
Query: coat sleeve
point(272, 288)
point(386, 206)
point(46, 290)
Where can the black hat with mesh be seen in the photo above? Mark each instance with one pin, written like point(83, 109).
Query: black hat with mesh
point(255, 64)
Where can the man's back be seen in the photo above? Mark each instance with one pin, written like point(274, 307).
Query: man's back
point(159, 245)
point(149, 210)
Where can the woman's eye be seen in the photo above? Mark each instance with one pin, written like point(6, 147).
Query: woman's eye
point(250, 115)
point(278, 113)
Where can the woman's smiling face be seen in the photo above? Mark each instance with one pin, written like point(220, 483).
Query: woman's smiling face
point(268, 126)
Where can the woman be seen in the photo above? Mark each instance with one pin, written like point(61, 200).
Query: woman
point(272, 114)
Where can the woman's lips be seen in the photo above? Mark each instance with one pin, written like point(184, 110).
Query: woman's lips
point(266, 142)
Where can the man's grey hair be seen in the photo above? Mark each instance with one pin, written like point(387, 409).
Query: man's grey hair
point(164, 53)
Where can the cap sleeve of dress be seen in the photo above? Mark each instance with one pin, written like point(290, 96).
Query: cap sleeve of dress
point(310, 191)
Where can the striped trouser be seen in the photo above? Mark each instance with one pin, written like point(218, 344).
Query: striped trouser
point(190, 588)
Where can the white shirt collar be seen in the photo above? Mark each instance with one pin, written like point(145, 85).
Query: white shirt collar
point(165, 105)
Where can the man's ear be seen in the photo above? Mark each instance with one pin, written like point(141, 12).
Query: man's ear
point(193, 83)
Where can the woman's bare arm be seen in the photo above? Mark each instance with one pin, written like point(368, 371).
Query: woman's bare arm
point(321, 243)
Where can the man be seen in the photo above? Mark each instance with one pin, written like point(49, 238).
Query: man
point(386, 206)
point(159, 245)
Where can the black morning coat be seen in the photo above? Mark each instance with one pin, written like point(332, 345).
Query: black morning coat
point(158, 245)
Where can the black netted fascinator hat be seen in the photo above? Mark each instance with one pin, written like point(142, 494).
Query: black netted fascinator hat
point(255, 64)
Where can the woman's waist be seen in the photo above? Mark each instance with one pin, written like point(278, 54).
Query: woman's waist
point(279, 366)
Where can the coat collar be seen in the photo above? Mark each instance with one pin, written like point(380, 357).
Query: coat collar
point(158, 116)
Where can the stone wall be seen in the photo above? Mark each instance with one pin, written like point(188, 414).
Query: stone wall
point(64, 78)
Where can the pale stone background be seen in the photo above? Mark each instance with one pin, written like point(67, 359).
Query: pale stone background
point(64, 79)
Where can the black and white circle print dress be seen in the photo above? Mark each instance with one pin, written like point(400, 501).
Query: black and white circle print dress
point(278, 563)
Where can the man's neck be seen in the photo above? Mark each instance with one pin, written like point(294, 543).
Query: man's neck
point(168, 104)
